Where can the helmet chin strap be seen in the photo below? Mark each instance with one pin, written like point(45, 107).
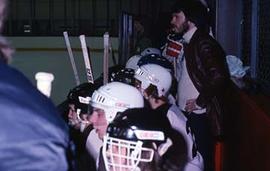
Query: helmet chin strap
point(162, 149)
point(83, 123)
point(82, 126)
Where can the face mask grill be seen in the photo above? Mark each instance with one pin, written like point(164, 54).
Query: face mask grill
point(125, 155)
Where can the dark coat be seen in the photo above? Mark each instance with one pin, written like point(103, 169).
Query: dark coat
point(208, 70)
point(33, 136)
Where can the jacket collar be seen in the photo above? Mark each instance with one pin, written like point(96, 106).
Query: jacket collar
point(188, 35)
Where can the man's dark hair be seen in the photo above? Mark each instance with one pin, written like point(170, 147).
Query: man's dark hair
point(194, 11)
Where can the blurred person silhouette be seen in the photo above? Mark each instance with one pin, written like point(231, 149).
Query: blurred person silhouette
point(33, 134)
point(141, 36)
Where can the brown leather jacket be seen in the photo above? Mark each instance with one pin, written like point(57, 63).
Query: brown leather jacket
point(208, 70)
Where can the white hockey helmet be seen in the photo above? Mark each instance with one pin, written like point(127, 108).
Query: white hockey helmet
point(132, 62)
point(149, 51)
point(116, 97)
point(156, 75)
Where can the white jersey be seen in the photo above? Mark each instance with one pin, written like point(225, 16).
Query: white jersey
point(93, 144)
point(179, 122)
point(186, 90)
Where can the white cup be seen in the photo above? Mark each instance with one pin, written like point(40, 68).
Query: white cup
point(44, 82)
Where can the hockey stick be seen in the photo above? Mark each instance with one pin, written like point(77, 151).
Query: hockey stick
point(106, 58)
point(87, 63)
point(71, 57)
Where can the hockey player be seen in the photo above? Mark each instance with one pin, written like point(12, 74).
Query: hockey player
point(110, 99)
point(125, 75)
point(78, 102)
point(112, 69)
point(132, 63)
point(162, 61)
point(150, 50)
point(154, 83)
point(86, 141)
point(155, 59)
point(141, 139)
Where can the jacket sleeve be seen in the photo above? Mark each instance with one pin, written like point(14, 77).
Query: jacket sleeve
point(214, 71)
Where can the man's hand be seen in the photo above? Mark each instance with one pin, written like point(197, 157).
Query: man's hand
point(191, 105)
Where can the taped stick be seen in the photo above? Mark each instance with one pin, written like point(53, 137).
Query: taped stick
point(106, 58)
point(87, 63)
point(71, 57)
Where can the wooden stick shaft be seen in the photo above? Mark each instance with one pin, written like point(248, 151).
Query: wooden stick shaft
point(87, 63)
point(71, 57)
point(106, 58)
